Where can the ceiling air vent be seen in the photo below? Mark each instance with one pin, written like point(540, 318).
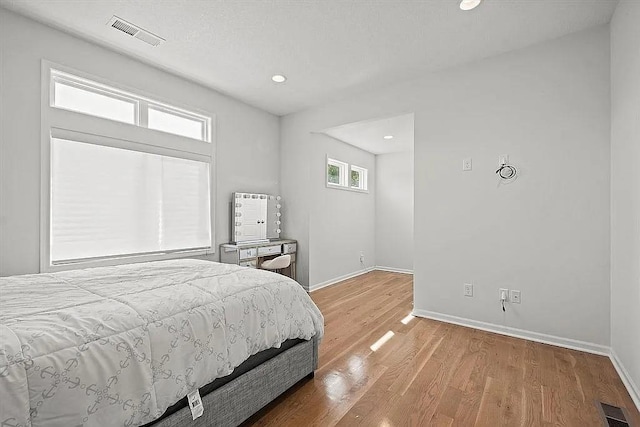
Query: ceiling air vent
point(134, 31)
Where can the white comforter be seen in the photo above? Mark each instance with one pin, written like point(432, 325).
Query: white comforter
point(119, 345)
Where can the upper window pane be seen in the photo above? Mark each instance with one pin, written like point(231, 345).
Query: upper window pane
point(88, 101)
point(358, 178)
point(176, 124)
point(355, 178)
point(100, 100)
point(334, 174)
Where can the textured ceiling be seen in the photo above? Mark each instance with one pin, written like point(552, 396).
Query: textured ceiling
point(328, 49)
point(369, 135)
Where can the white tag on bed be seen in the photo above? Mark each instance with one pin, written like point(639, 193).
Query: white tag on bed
point(195, 403)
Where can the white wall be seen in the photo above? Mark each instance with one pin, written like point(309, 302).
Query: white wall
point(342, 222)
point(546, 234)
point(625, 189)
point(548, 107)
point(247, 138)
point(394, 211)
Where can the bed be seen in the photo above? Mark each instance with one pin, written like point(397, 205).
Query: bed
point(124, 345)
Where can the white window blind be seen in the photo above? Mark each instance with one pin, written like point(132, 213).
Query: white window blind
point(108, 202)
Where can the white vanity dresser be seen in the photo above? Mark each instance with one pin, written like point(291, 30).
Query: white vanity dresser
point(255, 229)
point(254, 254)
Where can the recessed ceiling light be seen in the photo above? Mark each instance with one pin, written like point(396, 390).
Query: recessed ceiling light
point(388, 137)
point(469, 4)
point(279, 78)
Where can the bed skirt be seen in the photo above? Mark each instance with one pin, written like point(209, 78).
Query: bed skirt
point(233, 403)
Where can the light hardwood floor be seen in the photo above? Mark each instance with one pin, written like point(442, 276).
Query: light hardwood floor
point(430, 373)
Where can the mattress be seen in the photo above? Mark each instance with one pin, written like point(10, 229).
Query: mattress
point(120, 345)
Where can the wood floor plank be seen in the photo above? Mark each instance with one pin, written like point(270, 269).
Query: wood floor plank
point(430, 373)
point(421, 399)
point(378, 401)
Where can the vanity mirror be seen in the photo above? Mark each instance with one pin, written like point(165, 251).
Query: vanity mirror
point(255, 217)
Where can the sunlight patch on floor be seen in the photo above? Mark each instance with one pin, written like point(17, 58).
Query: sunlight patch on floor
point(408, 319)
point(386, 337)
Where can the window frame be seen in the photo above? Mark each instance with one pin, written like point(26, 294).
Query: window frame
point(76, 83)
point(141, 103)
point(69, 124)
point(178, 113)
point(345, 176)
point(343, 173)
point(364, 178)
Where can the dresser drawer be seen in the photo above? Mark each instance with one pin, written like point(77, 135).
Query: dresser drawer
point(269, 250)
point(289, 248)
point(250, 264)
point(248, 253)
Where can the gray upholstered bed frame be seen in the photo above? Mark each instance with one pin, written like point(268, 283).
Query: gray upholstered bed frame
point(233, 403)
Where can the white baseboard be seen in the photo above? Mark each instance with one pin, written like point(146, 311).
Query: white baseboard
point(632, 387)
point(357, 273)
point(517, 333)
point(393, 269)
point(339, 279)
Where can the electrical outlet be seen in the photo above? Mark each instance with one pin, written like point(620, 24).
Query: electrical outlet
point(468, 290)
point(515, 297)
point(362, 257)
point(503, 294)
point(467, 164)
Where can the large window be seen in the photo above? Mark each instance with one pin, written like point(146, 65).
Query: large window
point(108, 201)
point(347, 177)
point(116, 189)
